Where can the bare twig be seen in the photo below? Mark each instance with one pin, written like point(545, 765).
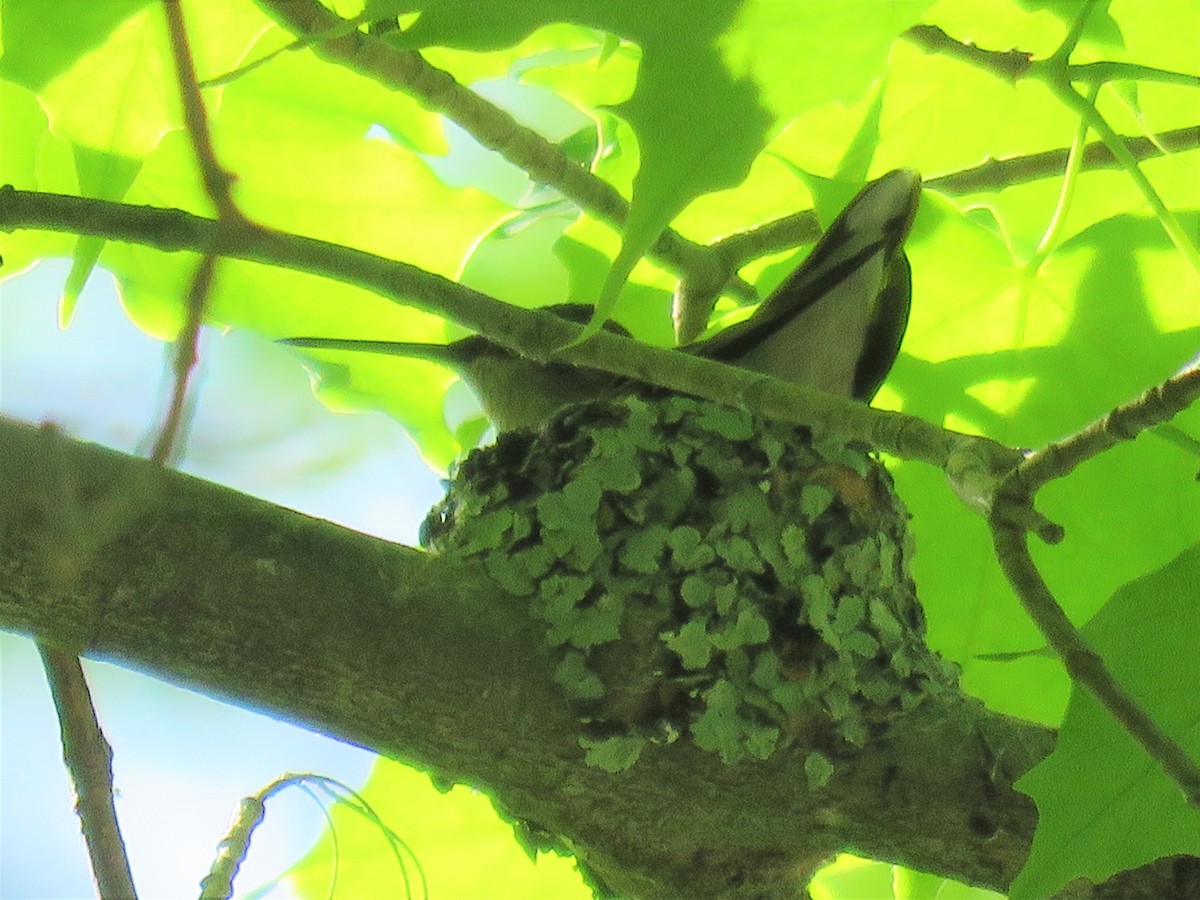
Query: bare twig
point(1014, 500)
point(217, 181)
point(437, 90)
point(1084, 664)
point(1124, 423)
point(86, 752)
point(999, 173)
point(1010, 65)
point(991, 175)
point(537, 335)
point(1056, 72)
point(217, 184)
point(88, 758)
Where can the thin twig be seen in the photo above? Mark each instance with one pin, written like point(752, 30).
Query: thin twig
point(1167, 218)
point(1010, 65)
point(995, 174)
point(217, 181)
point(217, 184)
point(1057, 74)
point(1014, 65)
point(86, 752)
point(1084, 664)
point(992, 175)
point(88, 758)
point(1126, 422)
point(537, 335)
point(1103, 72)
point(1013, 501)
point(494, 128)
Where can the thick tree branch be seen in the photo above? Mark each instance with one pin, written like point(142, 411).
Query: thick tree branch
point(399, 651)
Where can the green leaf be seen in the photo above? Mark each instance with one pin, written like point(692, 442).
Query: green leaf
point(749, 629)
point(862, 644)
point(719, 728)
point(37, 49)
point(740, 554)
point(733, 424)
point(696, 591)
point(615, 754)
point(814, 500)
point(691, 643)
point(886, 624)
point(598, 623)
point(577, 679)
point(1103, 804)
point(761, 741)
point(644, 549)
point(746, 509)
point(485, 531)
point(851, 610)
point(687, 549)
point(610, 474)
point(725, 596)
point(794, 541)
point(511, 574)
point(818, 768)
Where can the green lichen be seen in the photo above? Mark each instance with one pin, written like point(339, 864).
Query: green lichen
point(701, 572)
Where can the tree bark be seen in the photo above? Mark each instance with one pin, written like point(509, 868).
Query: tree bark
point(422, 659)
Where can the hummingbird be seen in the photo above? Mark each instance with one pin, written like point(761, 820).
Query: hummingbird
point(834, 324)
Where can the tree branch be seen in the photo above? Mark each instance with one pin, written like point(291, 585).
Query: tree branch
point(494, 128)
point(1015, 498)
point(1059, 76)
point(536, 335)
point(990, 175)
point(88, 759)
point(423, 659)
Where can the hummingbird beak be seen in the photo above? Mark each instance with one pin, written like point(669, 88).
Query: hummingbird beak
point(452, 356)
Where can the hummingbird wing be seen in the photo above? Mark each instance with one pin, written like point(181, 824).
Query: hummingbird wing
point(836, 322)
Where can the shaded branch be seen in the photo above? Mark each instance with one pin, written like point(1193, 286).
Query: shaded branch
point(494, 128)
point(424, 659)
point(991, 175)
point(1008, 521)
point(88, 759)
point(534, 334)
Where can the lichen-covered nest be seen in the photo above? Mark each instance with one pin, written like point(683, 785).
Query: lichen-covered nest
point(701, 572)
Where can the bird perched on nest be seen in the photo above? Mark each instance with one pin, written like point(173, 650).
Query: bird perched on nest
point(834, 324)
